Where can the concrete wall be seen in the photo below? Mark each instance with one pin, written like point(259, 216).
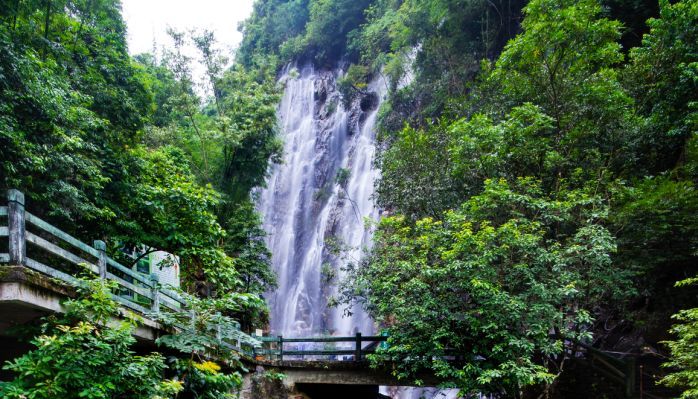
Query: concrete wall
point(319, 380)
point(26, 295)
point(265, 384)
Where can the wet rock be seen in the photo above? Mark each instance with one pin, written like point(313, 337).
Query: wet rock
point(324, 88)
point(322, 136)
point(263, 384)
point(369, 102)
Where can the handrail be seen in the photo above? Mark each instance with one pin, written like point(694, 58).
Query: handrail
point(137, 276)
point(49, 228)
point(368, 338)
point(356, 353)
point(147, 287)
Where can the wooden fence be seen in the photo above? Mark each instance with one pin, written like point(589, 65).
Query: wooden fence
point(40, 246)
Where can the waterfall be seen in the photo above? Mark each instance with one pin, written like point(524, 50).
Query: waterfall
point(308, 211)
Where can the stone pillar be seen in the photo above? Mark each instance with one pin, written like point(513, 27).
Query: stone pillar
point(101, 247)
point(17, 227)
point(155, 292)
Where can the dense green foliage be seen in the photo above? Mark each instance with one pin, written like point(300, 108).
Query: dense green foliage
point(80, 357)
point(273, 23)
point(229, 143)
point(88, 354)
point(684, 351)
point(201, 377)
point(436, 46)
point(442, 40)
point(125, 149)
point(106, 146)
point(316, 30)
point(93, 114)
point(559, 175)
point(539, 167)
point(518, 266)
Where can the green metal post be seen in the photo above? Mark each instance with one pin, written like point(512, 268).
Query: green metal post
point(630, 377)
point(281, 348)
point(357, 351)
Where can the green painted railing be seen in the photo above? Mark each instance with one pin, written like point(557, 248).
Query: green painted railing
point(321, 348)
point(40, 246)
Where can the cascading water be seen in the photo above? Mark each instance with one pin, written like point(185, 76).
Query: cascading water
point(318, 198)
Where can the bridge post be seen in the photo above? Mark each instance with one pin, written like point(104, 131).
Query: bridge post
point(17, 227)
point(219, 335)
point(357, 351)
point(155, 292)
point(630, 377)
point(192, 319)
point(281, 348)
point(101, 248)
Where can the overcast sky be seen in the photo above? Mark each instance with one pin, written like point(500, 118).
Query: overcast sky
point(147, 20)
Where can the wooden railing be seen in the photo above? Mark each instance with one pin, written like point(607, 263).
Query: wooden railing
point(40, 246)
point(320, 348)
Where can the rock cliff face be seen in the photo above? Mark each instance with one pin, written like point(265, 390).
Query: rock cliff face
point(317, 200)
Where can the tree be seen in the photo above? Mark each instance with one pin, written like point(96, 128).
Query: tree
point(431, 51)
point(507, 208)
point(84, 358)
point(180, 215)
point(250, 141)
point(74, 107)
point(330, 25)
point(563, 62)
point(252, 261)
point(684, 351)
point(655, 212)
point(417, 177)
point(200, 351)
point(662, 75)
point(301, 30)
point(489, 284)
point(353, 84)
point(272, 23)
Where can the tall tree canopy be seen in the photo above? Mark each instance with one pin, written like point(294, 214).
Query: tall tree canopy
point(563, 117)
point(539, 165)
point(120, 148)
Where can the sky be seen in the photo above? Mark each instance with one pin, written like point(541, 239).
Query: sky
point(147, 20)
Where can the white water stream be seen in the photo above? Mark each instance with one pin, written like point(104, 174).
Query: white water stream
point(307, 212)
